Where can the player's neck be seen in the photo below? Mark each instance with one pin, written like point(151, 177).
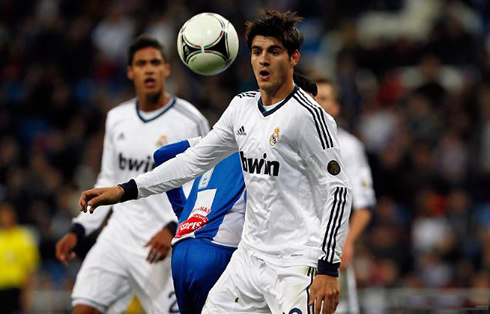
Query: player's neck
point(149, 103)
point(270, 97)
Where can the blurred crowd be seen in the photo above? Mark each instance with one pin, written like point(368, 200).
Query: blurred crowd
point(414, 84)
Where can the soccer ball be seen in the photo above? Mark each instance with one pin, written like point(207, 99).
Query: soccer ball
point(207, 43)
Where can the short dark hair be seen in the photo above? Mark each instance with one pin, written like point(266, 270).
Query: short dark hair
point(141, 42)
point(305, 83)
point(272, 23)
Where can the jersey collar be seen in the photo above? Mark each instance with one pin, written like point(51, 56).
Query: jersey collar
point(169, 105)
point(266, 113)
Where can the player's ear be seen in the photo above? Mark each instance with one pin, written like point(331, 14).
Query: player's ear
point(295, 56)
point(130, 72)
point(335, 109)
point(167, 69)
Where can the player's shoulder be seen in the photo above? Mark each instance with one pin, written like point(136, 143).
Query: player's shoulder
point(24, 234)
point(124, 107)
point(123, 110)
point(190, 114)
point(306, 106)
point(346, 138)
point(248, 95)
point(240, 101)
point(187, 108)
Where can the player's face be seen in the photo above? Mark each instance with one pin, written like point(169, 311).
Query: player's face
point(326, 99)
point(148, 71)
point(271, 63)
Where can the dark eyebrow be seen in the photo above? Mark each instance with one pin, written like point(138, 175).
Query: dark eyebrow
point(275, 47)
point(268, 48)
point(148, 60)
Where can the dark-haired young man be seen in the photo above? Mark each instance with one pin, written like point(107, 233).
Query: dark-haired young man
point(298, 199)
point(129, 255)
point(210, 221)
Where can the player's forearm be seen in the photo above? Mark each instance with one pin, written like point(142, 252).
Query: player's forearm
point(335, 224)
point(172, 174)
point(167, 176)
point(27, 293)
point(179, 170)
point(358, 223)
point(335, 185)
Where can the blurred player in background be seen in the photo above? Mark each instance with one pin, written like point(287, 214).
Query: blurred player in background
point(19, 258)
point(298, 195)
point(363, 197)
point(127, 257)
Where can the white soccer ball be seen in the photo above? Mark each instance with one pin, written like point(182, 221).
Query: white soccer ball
point(207, 43)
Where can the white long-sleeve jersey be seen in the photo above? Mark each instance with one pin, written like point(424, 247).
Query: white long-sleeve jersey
point(358, 170)
point(299, 197)
point(129, 143)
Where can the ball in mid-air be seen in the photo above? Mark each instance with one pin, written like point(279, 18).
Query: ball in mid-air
point(207, 43)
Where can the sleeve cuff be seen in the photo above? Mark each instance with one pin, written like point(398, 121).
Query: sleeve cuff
point(78, 230)
point(329, 269)
point(172, 226)
point(130, 190)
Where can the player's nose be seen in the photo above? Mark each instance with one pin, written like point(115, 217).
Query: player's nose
point(149, 68)
point(264, 62)
point(263, 58)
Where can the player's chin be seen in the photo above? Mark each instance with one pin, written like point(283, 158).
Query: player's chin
point(266, 86)
point(152, 92)
point(263, 83)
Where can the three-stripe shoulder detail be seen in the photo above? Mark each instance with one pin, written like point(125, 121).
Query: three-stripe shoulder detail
point(318, 117)
point(334, 223)
point(247, 94)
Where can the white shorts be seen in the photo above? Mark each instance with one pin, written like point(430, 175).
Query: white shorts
point(111, 276)
point(348, 293)
point(251, 285)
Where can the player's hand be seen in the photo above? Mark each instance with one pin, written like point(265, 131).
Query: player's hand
point(159, 245)
point(91, 199)
point(325, 290)
point(64, 248)
point(347, 255)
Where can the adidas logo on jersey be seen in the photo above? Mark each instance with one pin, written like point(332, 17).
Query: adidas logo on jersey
point(135, 164)
point(260, 166)
point(121, 137)
point(241, 131)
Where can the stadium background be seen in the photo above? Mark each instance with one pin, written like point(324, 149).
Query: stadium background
point(414, 80)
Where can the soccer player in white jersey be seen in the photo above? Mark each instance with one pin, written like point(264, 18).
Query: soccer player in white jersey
point(129, 255)
point(299, 197)
point(363, 197)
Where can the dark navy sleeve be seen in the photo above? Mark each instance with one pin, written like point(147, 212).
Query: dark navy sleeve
point(167, 152)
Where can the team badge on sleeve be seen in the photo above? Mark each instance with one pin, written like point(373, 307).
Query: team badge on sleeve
point(333, 167)
point(274, 139)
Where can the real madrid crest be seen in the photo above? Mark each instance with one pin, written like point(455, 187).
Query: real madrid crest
point(162, 141)
point(274, 139)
